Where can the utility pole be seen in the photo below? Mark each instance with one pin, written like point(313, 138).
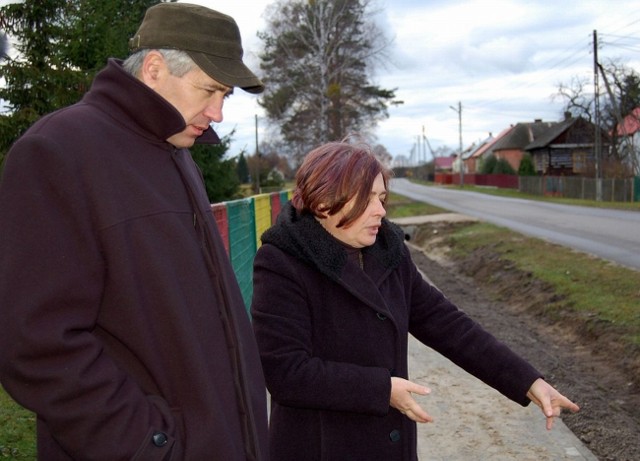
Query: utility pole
point(597, 138)
point(459, 111)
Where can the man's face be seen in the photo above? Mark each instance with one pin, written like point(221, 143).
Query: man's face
point(197, 97)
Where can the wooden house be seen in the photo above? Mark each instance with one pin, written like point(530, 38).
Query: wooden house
point(566, 148)
point(511, 143)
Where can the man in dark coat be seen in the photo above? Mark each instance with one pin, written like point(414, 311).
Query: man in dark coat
point(123, 327)
point(335, 297)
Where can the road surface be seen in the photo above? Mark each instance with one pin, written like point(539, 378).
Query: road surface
point(613, 235)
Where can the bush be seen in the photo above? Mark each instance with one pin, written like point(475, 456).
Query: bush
point(488, 164)
point(527, 168)
point(503, 167)
point(493, 165)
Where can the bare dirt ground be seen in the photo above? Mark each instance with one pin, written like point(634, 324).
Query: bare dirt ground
point(586, 364)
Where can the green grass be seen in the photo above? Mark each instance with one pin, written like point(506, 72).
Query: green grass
point(599, 290)
point(17, 430)
point(400, 206)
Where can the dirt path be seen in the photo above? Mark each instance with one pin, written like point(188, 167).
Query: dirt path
point(474, 422)
point(609, 421)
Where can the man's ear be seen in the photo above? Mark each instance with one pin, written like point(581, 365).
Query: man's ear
point(153, 68)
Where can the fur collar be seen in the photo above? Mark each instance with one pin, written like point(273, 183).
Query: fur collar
point(303, 237)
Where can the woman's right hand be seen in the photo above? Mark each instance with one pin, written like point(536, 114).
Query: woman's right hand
point(403, 401)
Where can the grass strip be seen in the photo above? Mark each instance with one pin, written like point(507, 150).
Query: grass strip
point(17, 430)
point(602, 292)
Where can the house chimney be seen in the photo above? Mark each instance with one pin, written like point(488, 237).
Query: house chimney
point(538, 120)
point(567, 115)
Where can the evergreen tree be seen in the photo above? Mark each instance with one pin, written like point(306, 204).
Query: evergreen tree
point(488, 164)
point(502, 166)
point(60, 45)
point(527, 168)
point(242, 168)
point(318, 59)
point(220, 177)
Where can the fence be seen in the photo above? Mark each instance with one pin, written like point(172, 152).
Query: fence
point(508, 181)
point(613, 190)
point(241, 223)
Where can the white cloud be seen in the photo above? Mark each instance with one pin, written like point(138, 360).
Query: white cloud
point(503, 59)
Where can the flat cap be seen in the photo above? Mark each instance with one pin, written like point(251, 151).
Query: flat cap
point(210, 38)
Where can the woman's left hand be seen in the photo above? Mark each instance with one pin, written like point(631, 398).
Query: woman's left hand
point(549, 400)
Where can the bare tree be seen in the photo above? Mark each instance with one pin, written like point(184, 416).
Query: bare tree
point(578, 101)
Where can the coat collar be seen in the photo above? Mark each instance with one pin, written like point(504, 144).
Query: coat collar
point(303, 237)
point(130, 101)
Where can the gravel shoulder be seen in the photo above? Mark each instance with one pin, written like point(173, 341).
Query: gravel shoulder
point(608, 426)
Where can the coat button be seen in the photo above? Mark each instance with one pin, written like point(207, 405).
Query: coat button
point(159, 439)
point(394, 435)
point(381, 316)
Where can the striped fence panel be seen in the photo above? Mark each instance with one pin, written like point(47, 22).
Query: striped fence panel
point(242, 243)
point(276, 205)
point(219, 211)
point(262, 204)
point(241, 223)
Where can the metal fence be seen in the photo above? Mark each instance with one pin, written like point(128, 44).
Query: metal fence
point(613, 190)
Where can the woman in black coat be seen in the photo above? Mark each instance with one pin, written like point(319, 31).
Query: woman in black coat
point(336, 295)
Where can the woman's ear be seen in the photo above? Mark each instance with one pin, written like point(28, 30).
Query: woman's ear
point(320, 211)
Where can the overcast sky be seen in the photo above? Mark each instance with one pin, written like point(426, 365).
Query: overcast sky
point(502, 59)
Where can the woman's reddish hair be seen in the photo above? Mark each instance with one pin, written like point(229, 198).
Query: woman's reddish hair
point(334, 173)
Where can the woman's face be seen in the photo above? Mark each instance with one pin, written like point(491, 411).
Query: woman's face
point(364, 230)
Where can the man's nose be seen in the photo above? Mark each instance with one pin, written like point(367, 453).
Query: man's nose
point(214, 109)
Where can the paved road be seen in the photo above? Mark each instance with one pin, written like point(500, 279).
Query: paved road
point(609, 234)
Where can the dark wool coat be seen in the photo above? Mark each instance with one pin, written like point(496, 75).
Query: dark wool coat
point(123, 327)
point(331, 337)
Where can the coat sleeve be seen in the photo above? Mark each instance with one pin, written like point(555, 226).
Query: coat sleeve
point(441, 325)
point(51, 276)
point(282, 321)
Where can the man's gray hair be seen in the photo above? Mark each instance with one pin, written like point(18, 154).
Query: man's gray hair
point(178, 61)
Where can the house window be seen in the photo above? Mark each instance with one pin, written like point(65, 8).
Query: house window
point(579, 162)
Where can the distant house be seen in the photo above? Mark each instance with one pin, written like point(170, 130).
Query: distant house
point(566, 148)
point(472, 162)
point(630, 125)
point(460, 161)
point(479, 154)
point(628, 135)
point(443, 164)
point(511, 143)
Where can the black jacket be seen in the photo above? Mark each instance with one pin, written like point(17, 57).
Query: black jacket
point(331, 336)
point(120, 311)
